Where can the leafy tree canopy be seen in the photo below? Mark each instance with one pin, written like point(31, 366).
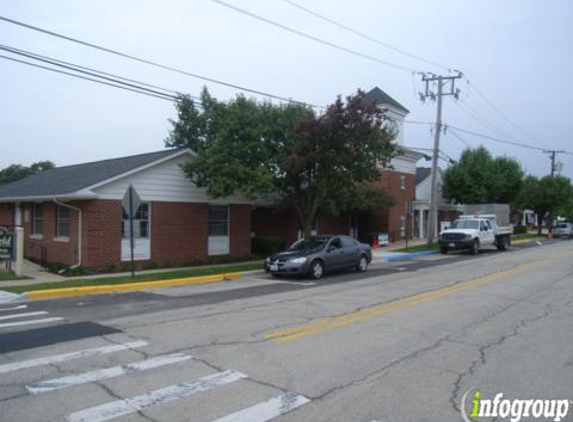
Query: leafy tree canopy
point(479, 178)
point(546, 195)
point(18, 171)
point(313, 162)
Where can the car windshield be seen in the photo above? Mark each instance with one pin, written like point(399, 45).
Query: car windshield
point(465, 224)
point(309, 245)
point(561, 226)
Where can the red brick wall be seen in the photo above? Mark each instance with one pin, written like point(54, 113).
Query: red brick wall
point(101, 234)
point(6, 214)
point(56, 251)
point(333, 225)
point(276, 222)
point(240, 230)
point(389, 220)
point(179, 232)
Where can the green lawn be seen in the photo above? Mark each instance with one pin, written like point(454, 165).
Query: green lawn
point(137, 279)
point(10, 276)
point(525, 236)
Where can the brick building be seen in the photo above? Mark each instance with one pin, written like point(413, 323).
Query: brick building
point(399, 180)
point(73, 215)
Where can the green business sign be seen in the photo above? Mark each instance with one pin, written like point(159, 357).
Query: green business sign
point(6, 244)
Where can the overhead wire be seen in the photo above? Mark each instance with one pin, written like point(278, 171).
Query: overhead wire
point(314, 38)
point(153, 63)
point(366, 36)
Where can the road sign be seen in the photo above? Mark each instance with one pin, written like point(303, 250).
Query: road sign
point(131, 202)
point(6, 244)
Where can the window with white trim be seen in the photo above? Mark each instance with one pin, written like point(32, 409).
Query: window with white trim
point(140, 223)
point(403, 181)
point(38, 219)
point(218, 220)
point(62, 221)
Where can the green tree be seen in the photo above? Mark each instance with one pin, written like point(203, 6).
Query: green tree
point(18, 171)
point(479, 178)
point(288, 153)
point(545, 196)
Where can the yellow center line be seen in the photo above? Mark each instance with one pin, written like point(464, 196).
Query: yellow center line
point(385, 308)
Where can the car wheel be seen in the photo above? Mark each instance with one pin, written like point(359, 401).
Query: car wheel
point(444, 250)
point(362, 264)
point(501, 245)
point(475, 247)
point(276, 275)
point(316, 270)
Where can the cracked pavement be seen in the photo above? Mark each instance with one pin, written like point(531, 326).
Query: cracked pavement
point(509, 334)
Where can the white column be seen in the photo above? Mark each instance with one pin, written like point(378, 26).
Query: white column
point(422, 227)
point(19, 261)
point(17, 215)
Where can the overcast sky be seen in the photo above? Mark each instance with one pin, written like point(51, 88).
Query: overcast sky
point(517, 53)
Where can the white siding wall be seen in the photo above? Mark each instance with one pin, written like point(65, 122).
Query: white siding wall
point(163, 182)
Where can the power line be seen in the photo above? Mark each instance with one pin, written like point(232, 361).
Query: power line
point(163, 97)
point(77, 66)
point(313, 38)
point(85, 72)
point(503, 115)
point(366, 36)
point(504, 141)
point(474, 114)
point(152, 63)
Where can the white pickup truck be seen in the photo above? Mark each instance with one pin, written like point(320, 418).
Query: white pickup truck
point(471, 232)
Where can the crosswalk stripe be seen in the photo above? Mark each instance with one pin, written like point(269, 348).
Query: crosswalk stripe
point(123, 407)
point(23, 315)
point(30, 322)
point(100, 374)
point(14, 308)
point(267, 410)
point(9, 367)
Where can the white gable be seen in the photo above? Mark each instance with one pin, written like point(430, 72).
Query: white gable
point(162, 182)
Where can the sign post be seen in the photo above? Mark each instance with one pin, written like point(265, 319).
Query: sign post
point(131, 202)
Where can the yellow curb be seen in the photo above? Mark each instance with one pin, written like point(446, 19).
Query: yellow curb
point(144, 285)
point(517, 241)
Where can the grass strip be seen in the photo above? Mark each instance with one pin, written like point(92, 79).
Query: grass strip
point(138, 278)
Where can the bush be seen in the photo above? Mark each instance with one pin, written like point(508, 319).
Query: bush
point(520, 230)
point(267, 245)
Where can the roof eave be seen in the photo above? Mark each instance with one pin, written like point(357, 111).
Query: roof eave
point(73, 196)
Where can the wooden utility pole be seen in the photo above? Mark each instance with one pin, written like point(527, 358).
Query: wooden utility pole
point(442, 82)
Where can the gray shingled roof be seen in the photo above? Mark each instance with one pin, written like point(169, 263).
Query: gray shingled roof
point(69, 179)
point(377, 96)
point(422, 173)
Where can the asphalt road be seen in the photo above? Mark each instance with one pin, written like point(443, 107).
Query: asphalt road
point(404, 342)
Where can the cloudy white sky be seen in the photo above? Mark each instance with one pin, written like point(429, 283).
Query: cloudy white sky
point(517, 53)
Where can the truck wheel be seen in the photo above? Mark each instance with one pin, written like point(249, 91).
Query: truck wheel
point(444, 250)
point(501, 243)
point(474, 247)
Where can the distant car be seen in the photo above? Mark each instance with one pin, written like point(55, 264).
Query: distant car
point(316, 255)
point(563, 230)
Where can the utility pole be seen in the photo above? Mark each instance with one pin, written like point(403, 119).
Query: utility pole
point(447, 82)
point(552, 153)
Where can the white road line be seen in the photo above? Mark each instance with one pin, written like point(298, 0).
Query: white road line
point(14, 308)
point(123, 407)
point(24, 315)
point(9, 367)
point(30, 322)
point(100, 374)
point(267, 410)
